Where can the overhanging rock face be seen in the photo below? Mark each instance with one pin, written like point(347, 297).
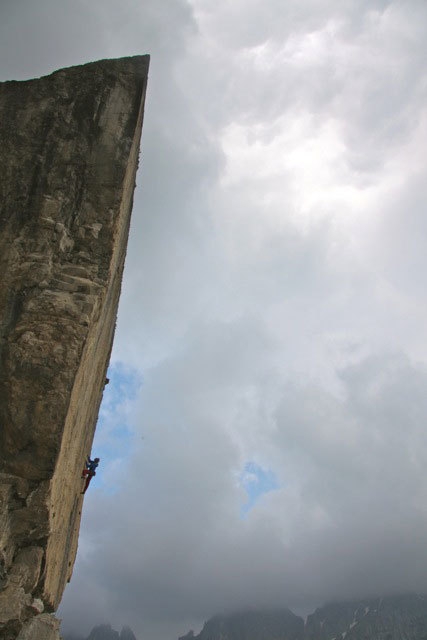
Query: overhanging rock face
point(69, 146)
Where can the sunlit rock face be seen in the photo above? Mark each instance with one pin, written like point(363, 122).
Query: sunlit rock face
point(391, 618)
point(69, 147)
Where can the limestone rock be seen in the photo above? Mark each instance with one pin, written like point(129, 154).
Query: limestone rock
point(44, 627)
point(13, 602)
point(26, 567)
point(69, 146)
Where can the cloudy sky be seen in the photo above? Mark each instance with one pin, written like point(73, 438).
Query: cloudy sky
point(263, 437)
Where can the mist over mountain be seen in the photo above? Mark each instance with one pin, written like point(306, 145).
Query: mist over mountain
point(399, 617)
point(252, 625)
point(392, 618)
point(104, 632)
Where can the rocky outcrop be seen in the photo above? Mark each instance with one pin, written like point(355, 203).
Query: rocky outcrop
point(43, 627)
point(69, 147)
point(391, 618)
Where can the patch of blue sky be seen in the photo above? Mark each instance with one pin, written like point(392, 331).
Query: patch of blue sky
point(124, 384)
point(256, 481)
point(116, 430)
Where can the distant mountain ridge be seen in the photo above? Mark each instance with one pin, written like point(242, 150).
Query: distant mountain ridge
point(104, 632)
point(391, 618)
point(252, 625)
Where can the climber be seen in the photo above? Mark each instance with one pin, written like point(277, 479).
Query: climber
point(89, 471)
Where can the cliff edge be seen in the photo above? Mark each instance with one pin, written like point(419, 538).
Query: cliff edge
point(69, 146)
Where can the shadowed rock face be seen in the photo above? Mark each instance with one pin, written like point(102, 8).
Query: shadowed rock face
point(69, 146)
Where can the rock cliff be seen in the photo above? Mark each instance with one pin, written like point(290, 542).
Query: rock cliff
point(69, 147)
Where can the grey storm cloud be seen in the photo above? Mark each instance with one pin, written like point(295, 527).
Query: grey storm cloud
point(346, 519)
point(273, 307)
point(336, 461)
